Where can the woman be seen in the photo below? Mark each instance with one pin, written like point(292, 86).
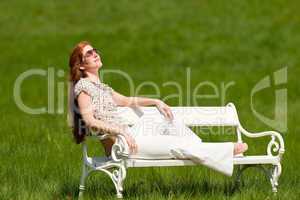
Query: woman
point(97, 110)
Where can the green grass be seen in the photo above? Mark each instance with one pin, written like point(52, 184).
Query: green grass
point(220, 41)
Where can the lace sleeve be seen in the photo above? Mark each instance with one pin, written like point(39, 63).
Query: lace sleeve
point(82, 86)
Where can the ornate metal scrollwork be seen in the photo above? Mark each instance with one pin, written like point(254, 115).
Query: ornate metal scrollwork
point(114, 167)
point(276, 145)
point(118, 149)
point(116, 152)
point(273, 146)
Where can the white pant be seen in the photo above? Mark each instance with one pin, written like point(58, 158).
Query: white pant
point(157, 138)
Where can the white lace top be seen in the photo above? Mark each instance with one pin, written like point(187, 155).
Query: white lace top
point(103, 105)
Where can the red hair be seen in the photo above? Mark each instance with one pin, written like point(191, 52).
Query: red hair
point(75, 61)
point(75, 120)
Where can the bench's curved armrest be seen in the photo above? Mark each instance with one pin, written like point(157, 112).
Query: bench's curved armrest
point(273, 145)
point(119, 148)
point(118, 152)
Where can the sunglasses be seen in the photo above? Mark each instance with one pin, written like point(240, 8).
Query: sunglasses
point(91, 52)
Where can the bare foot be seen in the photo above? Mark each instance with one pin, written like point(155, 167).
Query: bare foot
point(240, 148)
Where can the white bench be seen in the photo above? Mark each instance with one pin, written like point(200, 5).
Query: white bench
point(115, 166)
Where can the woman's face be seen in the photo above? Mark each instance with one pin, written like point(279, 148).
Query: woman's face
point(91, 59)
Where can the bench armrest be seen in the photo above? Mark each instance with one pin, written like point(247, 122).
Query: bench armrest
point(273, 145)
point(119, 149)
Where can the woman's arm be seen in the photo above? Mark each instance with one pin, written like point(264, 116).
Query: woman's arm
point(85, 108)
point(122, 100)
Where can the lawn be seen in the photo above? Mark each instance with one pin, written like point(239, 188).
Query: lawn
point(235, 43)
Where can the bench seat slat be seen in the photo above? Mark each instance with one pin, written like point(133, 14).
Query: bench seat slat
point(173, 162)
point(265, 159)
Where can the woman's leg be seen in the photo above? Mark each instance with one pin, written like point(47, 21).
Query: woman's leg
point(156, 137)
point(218, 156)
point(215, 155)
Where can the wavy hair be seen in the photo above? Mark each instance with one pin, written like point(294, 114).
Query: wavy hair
point(75, 121)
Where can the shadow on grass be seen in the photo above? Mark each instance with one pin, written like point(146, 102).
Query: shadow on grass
point(158, 183)
point(177, 188)
point(151, 183)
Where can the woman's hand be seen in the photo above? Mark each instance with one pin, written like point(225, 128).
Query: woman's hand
point(164, 109)
point(131, 143)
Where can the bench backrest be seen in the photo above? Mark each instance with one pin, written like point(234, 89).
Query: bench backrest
point(192, 116)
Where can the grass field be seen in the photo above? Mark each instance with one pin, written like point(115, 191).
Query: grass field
point(219, 41)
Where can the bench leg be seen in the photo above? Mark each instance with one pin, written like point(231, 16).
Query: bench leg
point(118, 176)
point(82, 180)
point(276, 171)
point(238, 177)
point(271, 174)
point(116, 172)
